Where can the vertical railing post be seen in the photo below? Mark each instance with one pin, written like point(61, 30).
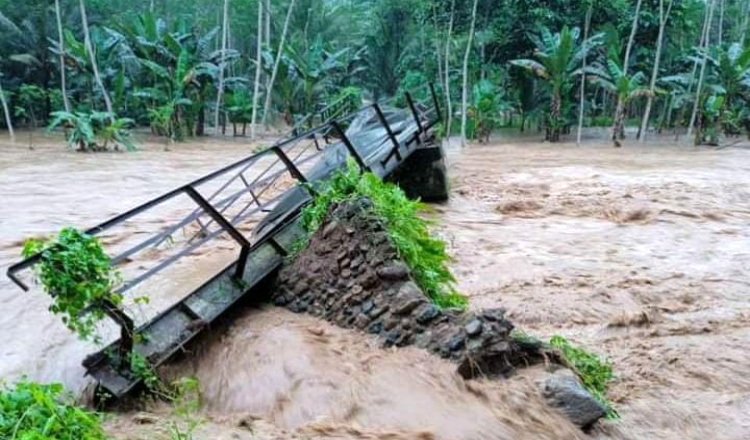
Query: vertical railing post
point(391, 135)
point(225, 225)
point(293, 170)
point(349, 146)
point(414, 111)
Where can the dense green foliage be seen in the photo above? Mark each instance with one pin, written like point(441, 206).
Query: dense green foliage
point(94, 131)
point(76, 272)
point(32, 411)
point(161, 62)
point(595, 374)
point(426, 256)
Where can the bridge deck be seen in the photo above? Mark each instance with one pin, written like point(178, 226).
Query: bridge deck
point(379, 141)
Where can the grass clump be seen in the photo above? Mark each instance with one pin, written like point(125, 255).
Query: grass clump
point(32, 411)
point(594, 373)
point(426, 256)
point(76, 272)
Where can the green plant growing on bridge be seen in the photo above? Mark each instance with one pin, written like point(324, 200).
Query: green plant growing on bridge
point(33, 411)
point(426, 256)
point(76, 272)
point(594, 373)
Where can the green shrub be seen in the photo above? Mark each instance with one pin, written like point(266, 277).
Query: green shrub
point(601, 121)
point(76, 272)
point(425, 256)
point(32, 411)
point(94, 131)
point(595, 374)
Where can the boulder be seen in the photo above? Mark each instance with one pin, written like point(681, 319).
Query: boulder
point(564, 391)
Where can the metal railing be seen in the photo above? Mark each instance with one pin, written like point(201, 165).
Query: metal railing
point(255, 195)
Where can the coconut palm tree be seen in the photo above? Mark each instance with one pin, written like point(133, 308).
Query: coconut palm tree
point(626, 87)
point(557, 60)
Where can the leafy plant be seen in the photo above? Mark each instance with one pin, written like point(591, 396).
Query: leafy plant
point(487, 103)
point(187, 403)
point(33, 411)
point(30, 97)
point(240, 107)
point(80, 131)
point(625, 86)
point(556, 61)
point(708, 127)
point(94, 131)
point(111, 129)
point(76, 272)
point(143, 370)
point(426, 256)
point(594, 373)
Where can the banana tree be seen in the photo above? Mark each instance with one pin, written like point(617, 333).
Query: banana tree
point(487, 102)
point(315, 72)
point(178, 66)
point(240, 108)
point(731, 70)
point(94, 131)
point(708, 124)
point(727, 76)
point(557, 61)
point(626, 87)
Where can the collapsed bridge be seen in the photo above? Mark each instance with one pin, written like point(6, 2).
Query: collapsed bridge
point(256, 202)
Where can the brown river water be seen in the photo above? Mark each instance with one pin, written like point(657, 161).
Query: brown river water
point(640, 254)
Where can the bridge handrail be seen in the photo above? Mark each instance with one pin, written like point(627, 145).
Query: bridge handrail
point(422, 122)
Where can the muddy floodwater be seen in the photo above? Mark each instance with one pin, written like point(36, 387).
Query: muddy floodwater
point(640, 254)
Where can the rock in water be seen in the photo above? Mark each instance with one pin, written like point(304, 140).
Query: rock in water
point(564, 392)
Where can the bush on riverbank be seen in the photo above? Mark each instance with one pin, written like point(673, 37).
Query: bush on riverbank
point(426, 256)
point(32, 411)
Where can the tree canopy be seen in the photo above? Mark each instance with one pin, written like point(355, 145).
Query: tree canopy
point(167, 65)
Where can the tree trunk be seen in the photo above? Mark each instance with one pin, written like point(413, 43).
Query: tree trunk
point(721, 22)
point(268, 22)
point(437, 44)
point(222, 62)
point(618, 130)
point(696, 106)
point(745, 24)
point(631, 40)
point(449, 105)
point(482, 56)
point(666, 115)
point(92, 57)
point(8, 121)
point(553, 125)
point(465, 93)
point(63, 81)
point(663, 19)
point(258, 61)
point(269, 87)
point(582, 102)
point(200, 126)
point(619, 123)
